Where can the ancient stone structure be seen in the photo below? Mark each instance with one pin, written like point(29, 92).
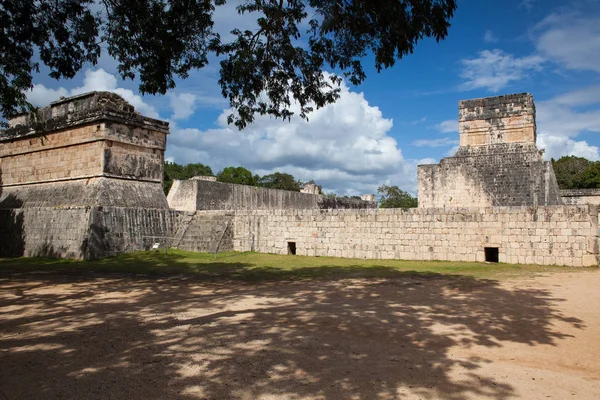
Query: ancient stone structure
point(82, 178)
point(497, 163)
point(195, 194)
point(580, 196)
point(311, 188)
point(548, 235)
point(368, 197)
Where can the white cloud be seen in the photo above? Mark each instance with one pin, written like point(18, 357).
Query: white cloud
point(417, 121)
point(569, 114)
point(570, 40)
point(489, 37)
point(344, 146)
point(94, 80)
point(442, 142)
point(564, 117)
point(495, 69)
point(41, 96)
point(183, 105)
point(447, 126)
point(527, 4)
point(556, 146)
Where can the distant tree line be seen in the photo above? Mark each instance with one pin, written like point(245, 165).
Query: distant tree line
point(576, 173)
point(239, 175)
point(391, 196)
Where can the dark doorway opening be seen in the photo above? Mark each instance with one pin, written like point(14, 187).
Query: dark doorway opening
point(491, 254)
point(292, 248)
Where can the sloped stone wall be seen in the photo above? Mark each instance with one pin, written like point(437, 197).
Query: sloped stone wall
point(208, 231)
point(83, 232)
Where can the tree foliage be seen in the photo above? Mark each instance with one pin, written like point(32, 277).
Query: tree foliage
point(394, 197)
point(576, 173)
point(239, 175)
point(280, 180)
point(174, 171)
point(262, 71)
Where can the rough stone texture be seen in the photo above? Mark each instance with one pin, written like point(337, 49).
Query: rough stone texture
point(581, 196)
point(94, 191)
point(208, 231)
point(368, 197)
point(192, 195)
point(44, 232)
point(330, 203)
point(82, 178)
point(82, 232)
point(497, 164)
point(549, 235)
point(311, 188)
point(116, 230)
point(500, 119)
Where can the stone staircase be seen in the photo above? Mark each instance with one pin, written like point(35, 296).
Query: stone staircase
point(206, 232)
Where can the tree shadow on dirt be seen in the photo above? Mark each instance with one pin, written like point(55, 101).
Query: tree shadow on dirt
point(97, 336)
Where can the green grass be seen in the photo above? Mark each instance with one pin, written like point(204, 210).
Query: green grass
point(259, 266)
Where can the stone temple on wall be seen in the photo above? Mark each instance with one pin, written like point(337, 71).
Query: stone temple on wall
point(82, 178)
point(497, 163)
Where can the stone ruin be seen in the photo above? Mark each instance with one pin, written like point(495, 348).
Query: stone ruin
point(497, 163)
point(82, 178)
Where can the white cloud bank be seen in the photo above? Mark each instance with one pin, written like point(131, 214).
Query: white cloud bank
point(344, 146)
point(569, 41)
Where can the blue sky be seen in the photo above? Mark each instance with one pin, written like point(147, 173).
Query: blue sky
point(378, 132)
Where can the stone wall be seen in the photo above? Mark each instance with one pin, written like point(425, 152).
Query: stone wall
point(82, 232)
point(550, 235)
point(44, 232)
point(82, 178)
point(193, 194)
point(117, 230)
point(581, 196)
point(497, 163)
point(500, 119)
point(207, 231)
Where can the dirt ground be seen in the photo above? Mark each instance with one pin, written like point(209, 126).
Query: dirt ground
point(94, 336)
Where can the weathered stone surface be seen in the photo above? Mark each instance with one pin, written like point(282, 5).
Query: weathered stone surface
point(82, 178)
point(117, 230)
point(497, 163)
point(208, 231)
point(549, 235)
point(95, 191)
point(580, 196)
point(500, 119)
point(192, 195)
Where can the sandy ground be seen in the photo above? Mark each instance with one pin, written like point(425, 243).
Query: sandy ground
point(93, 336)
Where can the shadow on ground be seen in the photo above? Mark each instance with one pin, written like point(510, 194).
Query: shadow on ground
point(96, 336)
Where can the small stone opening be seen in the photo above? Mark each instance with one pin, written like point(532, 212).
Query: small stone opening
point(491, 254)
point(292, 248)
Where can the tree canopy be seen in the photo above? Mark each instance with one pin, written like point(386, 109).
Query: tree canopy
point(280, 180)
point(576, 173)
point(239, 175)
point(262, 71)
point(176, 171)
point(394, 197)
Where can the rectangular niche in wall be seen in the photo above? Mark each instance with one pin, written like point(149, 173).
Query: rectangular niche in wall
point(291, 248)
point(491, 254)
